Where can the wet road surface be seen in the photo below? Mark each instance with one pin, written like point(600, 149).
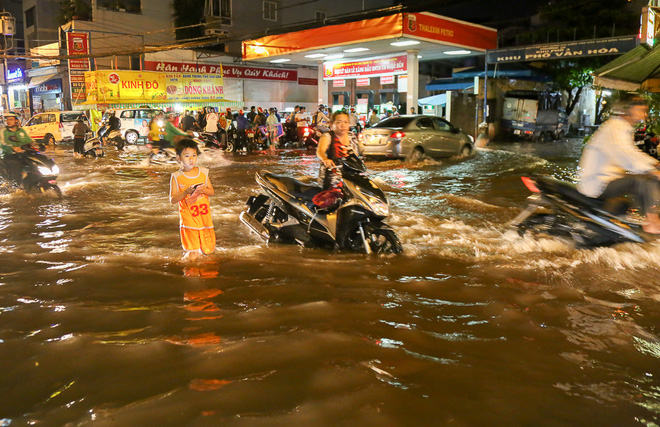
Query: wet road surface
point(102, 323)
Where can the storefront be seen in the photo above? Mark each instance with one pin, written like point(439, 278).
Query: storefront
point(248, 85)
point(47, 96)
point(129, 89)
point(17, 95)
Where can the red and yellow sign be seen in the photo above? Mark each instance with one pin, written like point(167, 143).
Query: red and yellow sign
point(149, 86)
point(428, 26)
point(423, 26)
point(366, 68)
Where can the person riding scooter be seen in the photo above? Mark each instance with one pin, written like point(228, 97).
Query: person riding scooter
point(12, 139)
point(611, 166)
point(163, 132)
point(113, 124)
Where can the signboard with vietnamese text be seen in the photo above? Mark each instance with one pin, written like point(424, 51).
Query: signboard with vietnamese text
point(148, 86)
point(540, 52)
point(77, 43)
point(15, 73)
point(366, 68)
point(339, 83)
point(227, 71)
point(387, 80)
point(363, 81)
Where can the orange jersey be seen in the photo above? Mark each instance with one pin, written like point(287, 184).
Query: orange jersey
point(194, 213)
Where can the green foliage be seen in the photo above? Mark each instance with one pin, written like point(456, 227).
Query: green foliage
point(654, 112)
point(188, 12)
point(80, 9)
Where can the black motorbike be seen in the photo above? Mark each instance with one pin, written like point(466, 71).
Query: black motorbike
point(210, 140)
point(646, 140)
point(351, 219)
point(557, 208)
point(39, 172)
point(111, 138)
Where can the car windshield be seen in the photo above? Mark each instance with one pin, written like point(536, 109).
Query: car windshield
point(71, 117)
point(394, 122)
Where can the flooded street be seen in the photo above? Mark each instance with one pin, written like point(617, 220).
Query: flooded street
point(102, 323)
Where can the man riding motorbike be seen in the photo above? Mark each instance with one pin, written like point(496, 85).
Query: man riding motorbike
point(611, 166)
point(162, 132)
point(12, 139)
point(113, 124)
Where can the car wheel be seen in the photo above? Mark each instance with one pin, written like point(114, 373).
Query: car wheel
point(417, 155)
point(49, 139)
point(466, 150)
point(131, 137)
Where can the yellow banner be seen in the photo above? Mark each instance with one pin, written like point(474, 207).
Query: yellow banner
point(150, 86)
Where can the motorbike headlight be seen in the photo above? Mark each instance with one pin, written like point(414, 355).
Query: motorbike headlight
point(160, 123)
point(56, 170)
point(44, 170)
point(196, 134)
point(380, 208)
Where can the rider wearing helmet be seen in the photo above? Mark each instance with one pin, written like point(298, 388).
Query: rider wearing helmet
point(12, 139)
point(162, 131)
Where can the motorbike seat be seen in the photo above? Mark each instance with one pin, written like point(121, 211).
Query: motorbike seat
point(615, 206)
point(295, 188)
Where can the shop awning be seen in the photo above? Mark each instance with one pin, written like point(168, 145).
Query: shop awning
point(39, 80)
point(630, 71)
point(433, 100)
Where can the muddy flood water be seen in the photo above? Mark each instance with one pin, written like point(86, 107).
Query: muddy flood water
point(102, 323)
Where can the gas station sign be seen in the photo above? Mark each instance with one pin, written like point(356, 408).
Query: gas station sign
point(366, 68)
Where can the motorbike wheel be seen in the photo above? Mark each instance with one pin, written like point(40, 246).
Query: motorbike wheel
point(51, 187)
point(381, 241)
point(230, 147)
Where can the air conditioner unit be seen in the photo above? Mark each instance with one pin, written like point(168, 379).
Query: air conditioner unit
point(215, 32)
point(8, 25)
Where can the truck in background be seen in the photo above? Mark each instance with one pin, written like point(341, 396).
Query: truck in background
point(534, 115)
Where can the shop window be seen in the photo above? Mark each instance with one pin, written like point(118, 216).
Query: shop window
point(29, 17)
point(221, 9)
point(132, 6)
point(270, 11)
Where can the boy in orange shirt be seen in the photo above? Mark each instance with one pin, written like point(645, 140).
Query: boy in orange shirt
point(190, 188)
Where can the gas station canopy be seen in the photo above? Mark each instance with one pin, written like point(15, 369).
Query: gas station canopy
point(430, 36)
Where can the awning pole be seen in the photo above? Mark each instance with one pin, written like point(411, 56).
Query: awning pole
point(486, 88)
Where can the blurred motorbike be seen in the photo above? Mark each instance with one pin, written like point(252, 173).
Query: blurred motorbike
point(39, 172)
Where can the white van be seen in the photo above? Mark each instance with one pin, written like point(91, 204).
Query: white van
point(134, 122)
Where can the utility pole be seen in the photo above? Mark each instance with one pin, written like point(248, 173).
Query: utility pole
point(8, 26)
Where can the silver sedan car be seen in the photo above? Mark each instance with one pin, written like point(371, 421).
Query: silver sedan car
point(414, 137)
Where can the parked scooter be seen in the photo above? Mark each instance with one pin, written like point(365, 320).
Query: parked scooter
point(557, 208)
point(646, 140)
point(39, 172)
point(287, 210)
point(112, 138)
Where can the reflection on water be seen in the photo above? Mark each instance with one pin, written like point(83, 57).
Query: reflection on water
point(102, 321)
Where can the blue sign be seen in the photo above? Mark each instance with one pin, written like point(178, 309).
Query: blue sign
point(562, 50)
point(15, 73)
point(51, 86)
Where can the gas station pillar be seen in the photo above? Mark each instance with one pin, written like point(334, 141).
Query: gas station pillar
point(412, 80)
point(322, 86)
